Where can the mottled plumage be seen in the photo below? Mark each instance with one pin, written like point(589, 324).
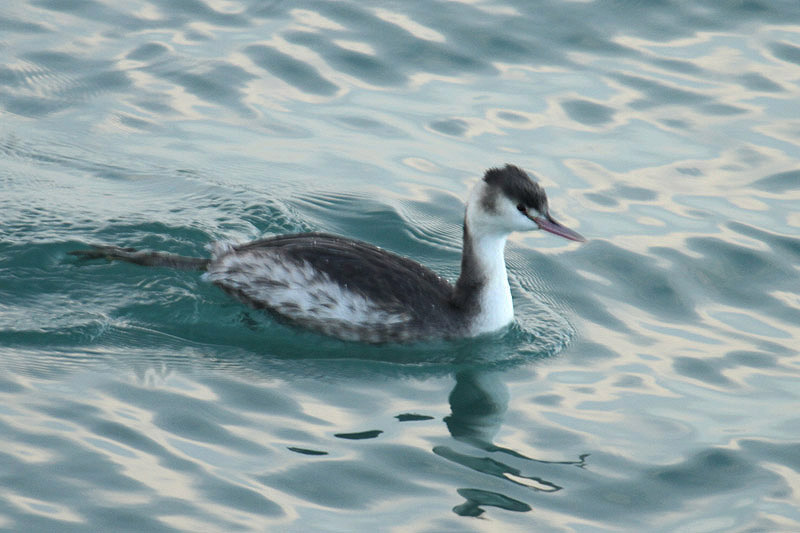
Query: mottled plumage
point(341, 287)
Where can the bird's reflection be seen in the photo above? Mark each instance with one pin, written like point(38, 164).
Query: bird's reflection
point(478, 403)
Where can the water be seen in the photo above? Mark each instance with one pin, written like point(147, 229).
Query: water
point(651, 382)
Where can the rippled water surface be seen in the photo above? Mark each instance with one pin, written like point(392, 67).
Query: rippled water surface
point(651, 380)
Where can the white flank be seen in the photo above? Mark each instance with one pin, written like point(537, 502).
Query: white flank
point(296, 290)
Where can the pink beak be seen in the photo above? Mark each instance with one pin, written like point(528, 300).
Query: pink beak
point(549, 224)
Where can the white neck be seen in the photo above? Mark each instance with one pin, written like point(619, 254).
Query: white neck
point(496, 306)
point(483, 272)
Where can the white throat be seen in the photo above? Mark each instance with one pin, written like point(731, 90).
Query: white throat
point(496, 305)
point(488, 255)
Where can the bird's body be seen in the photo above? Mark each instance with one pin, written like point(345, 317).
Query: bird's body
point(341, 287)
point(356, 291)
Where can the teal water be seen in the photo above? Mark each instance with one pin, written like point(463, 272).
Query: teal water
point(651, 380)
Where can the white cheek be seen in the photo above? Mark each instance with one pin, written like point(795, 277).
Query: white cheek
point(523, 223)
point(513, 218)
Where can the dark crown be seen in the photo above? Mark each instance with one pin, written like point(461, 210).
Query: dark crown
point(517, 186)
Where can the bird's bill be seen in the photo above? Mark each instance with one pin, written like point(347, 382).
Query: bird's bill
point(550, 225)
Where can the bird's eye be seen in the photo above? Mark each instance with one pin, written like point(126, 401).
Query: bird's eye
point(521, 208)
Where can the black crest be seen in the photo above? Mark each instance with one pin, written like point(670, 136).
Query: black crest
point(516, 185)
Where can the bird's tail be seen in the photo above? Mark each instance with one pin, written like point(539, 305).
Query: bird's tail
point(144, 258)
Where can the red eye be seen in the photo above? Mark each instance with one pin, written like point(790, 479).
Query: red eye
point(522, 209)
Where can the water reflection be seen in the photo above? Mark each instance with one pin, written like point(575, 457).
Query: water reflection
point(478, 403)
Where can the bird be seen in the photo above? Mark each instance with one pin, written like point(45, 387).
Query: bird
point(355, 291)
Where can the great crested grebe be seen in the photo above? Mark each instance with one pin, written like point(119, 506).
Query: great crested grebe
point(358, 292)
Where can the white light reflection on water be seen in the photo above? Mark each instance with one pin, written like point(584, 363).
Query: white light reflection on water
point(650, 381)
